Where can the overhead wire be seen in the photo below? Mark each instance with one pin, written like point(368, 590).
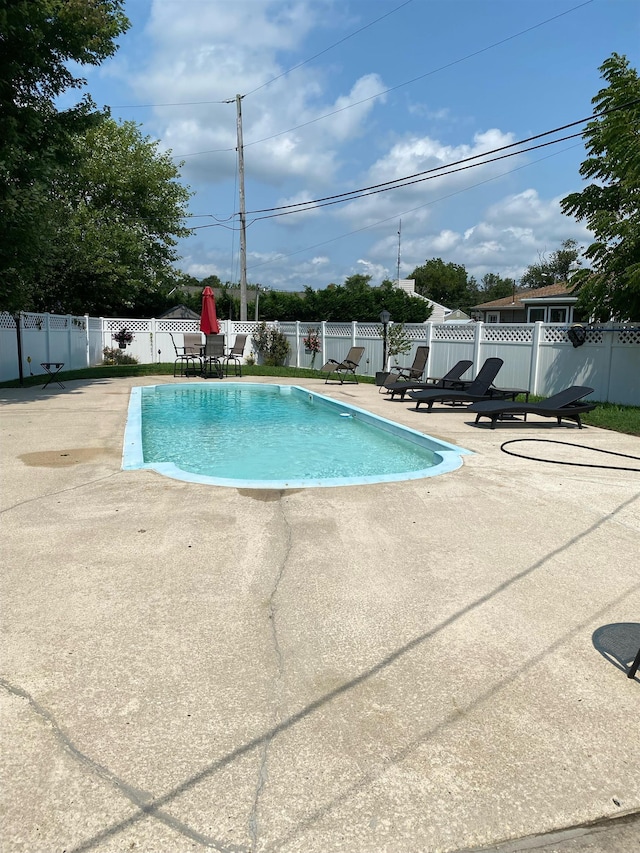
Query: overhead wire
point(394, 88)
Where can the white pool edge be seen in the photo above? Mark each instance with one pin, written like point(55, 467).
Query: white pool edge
point(133, 459)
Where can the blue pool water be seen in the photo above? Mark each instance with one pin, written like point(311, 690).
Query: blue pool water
point(272, 436)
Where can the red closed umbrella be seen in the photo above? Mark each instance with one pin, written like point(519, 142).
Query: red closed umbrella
point(208, 320)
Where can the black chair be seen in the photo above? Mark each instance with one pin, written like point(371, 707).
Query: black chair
point(450, 380)
point(563, 405)
point(214, 356)
point(184, 360)
point(236, 355)
point(479, 389)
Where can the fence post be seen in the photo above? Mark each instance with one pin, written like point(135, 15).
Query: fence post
point(477, 344)
point(323, 341)
point(354, 332)
point(87, 340)
point(534, 367)
point(297, 343)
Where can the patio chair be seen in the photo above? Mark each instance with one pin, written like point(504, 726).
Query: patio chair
point(184, 360)
point(192, 343)
point(451, 380)
point(407, 374)
point(566, 404)
point(236, 354)
point(479, 389)
point(343, 369)
point(214, 356)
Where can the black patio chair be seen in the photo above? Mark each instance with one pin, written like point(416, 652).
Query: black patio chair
point(450, 380)
point(566, 404)
point(479, 389)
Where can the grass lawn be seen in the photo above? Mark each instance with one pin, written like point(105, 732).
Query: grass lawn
point(611, 416)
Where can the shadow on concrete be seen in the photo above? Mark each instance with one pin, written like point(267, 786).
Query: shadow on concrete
point(619, 643)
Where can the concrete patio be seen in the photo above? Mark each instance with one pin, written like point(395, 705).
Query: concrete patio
point(388, 668)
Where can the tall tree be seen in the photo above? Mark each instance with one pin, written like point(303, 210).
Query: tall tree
point(610, 205)
point(445, 283)
point(556, 268)
point(116, 219)
point(41, 42)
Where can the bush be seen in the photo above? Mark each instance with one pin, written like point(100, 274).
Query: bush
point(272, 345)
point(117, 356)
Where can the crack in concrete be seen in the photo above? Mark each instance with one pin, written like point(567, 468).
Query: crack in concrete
point(141, 799)
point(39, 498)
point(263, 774)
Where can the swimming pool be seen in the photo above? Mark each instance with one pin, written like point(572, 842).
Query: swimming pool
point(272, 436)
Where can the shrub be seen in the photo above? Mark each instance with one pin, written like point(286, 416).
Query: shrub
point(272, 345)
point(117, 356)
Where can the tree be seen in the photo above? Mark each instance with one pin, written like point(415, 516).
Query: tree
point(493, 287)
point(115, 220)
point(40, 43)
point(557, 268)
point(610, 205)
point(447, 284)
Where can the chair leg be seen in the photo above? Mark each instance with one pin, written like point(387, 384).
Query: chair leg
point(634, 666)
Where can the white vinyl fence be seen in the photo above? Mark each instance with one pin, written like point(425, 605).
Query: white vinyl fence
point(537, 356)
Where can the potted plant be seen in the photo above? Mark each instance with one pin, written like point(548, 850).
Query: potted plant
point(123, 337)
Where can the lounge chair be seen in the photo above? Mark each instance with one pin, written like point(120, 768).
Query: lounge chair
point(186, 363)
point(407, 374)
point(479, 389)
point(343, 369)
point(192, 343)
point(450, 380)
point(236, 354)
point(565, 404)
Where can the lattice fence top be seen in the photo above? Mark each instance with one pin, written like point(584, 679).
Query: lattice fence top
point(7, 321)
point(39, 321)
point(629, 336)
point(454, 332)
point(338, 330)
point(177, 325)
point(131, 325)
point(493, 332)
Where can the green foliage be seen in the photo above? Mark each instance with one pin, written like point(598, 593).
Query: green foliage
point(610, 205)
point(493, 287)
point(557, 268)
point(447, 284)
point(271, 344)
point(398, 342)
point(41, 43)
point(115, 221)
point(115, 355)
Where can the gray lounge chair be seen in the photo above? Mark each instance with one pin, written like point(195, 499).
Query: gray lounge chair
point(451, 380)
point(340, 370)
point(407, 374)
point(479, 389)
point(565, 404)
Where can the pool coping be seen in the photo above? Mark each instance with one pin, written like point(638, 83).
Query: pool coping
point(133, 459)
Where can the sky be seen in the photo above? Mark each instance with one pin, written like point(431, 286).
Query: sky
point(341, 95)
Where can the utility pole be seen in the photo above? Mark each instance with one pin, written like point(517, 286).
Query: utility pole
point(243, 219)
point(399, 234)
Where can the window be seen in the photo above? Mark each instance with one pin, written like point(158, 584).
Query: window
point(557, 315)
point(493, 317)
point(536, 314)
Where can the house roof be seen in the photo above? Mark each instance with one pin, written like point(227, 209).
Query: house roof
point(551, 291)
point(179, 312)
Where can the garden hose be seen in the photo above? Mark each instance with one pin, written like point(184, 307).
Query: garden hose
point(570, 444)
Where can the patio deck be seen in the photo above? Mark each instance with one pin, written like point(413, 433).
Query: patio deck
point(396, 667)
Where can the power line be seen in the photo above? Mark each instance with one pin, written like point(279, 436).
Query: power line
point(282, 257)
point(399, 85)
point(327, 49)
